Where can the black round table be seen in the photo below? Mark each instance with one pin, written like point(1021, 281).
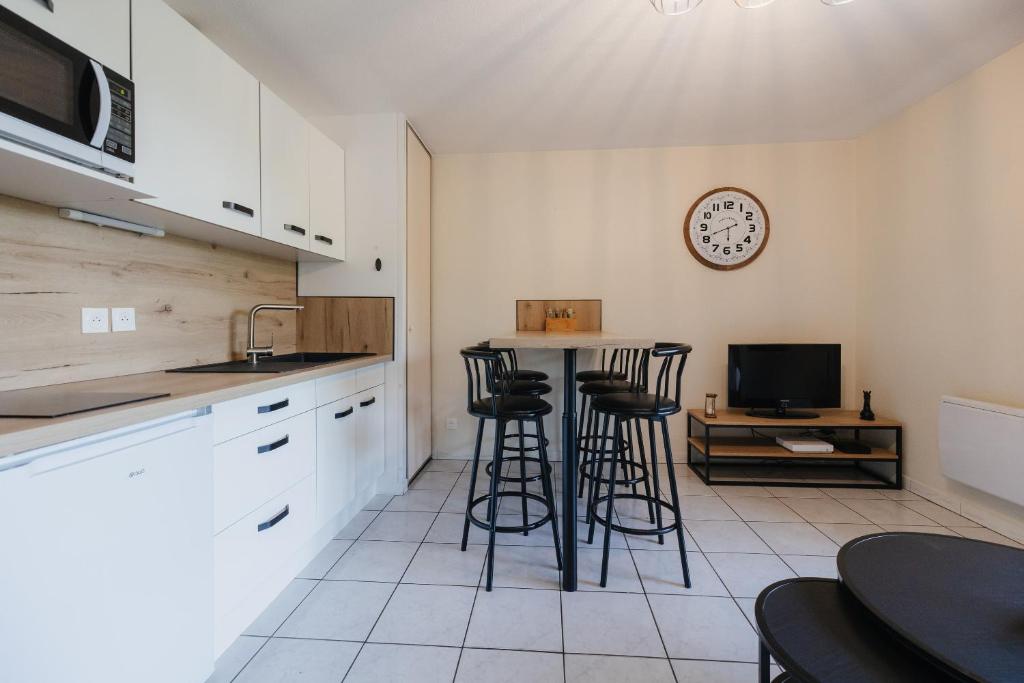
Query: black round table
point(958, 602)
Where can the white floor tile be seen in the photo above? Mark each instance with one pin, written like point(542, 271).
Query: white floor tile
point(810, 565)
point(609, 624)
point(843, 533)
point(982, 534)
point(285, 659)
point(617, 539)
point(888, 512)
point(900, 494)
point(541, 536)
point(726, 537)
point(622, 576)
point(427, 500)
point(663, 573)
point(443, 481)
point(705, 508)
point(379, 663)
point(795, 492)
point(374, 561)
point(399, 526)
point(795, 539)
point(695, 671)
point(378, 502)
point(608, 669)
point(938, 514)
point(446, 564)
point(338, 610)
point(763, 510)
point(447, 528)
point(698, 627)
point(357, 526)
point(235, 658)
point(425, 615)
point(824, 510)
point(923, 529)
point(439, 465)
point(325, 559)
point(525, 567)
point(516, 619)
point(496, 666)
point(728, 491)
point(282, 606)
point(855, 494)
point(747, 575)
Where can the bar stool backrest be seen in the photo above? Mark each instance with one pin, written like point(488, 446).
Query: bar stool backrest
point(667, 387)
point(507, 355)
point(633, 364)
point(485, 370)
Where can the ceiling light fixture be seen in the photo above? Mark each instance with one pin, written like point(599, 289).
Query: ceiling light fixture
point(676, 7)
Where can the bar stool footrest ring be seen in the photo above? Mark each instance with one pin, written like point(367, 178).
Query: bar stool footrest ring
point(544, 470)
point(624, 481)
point(516, 529)
point(655, 531)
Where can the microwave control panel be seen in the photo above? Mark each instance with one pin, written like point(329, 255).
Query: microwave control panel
point(120, 140)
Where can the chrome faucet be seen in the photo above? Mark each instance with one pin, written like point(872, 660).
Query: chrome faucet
point(254, 352)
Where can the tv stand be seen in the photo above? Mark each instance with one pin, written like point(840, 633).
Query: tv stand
point(782, 414)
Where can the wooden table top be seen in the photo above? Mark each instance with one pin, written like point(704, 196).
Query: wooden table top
point(597, 339)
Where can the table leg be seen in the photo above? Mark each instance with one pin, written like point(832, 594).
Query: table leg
point(569, 467)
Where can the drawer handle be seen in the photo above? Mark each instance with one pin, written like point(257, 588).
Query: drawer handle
point(294, 228)
point(272, 446)
point(272, 407)
point(233, 206)
point(323, 238)
point(272, 522)
point(344, 413)
point(368, 402)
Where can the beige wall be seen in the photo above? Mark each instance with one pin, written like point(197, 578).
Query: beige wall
point(191, 299)
point(608, 224)
point(940, 269)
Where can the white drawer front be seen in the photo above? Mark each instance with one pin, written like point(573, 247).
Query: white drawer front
point(252, 469)
point(330, 389)
point(255, 546)
point(372, 376)
point(249, 413)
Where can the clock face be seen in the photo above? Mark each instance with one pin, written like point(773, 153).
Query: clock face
point(727, 228)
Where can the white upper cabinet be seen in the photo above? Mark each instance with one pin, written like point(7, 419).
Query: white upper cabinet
point(197, 122)
point(326, 195)
point(284, 161)
point(99, 28)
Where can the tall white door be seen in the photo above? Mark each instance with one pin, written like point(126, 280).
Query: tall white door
point(417, 293)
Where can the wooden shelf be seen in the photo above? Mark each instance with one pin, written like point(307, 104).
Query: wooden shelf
point(829, 419)
point(750, 448)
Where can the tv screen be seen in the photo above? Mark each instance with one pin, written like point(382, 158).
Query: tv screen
point(766, 375)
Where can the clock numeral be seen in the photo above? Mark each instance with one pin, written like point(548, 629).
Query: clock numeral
point(750, 214)
point(730, 205)
point(716, 207)
point(707, 215)
point(714, 247)
point(703, 227)
point(706, 239)
point(747, 239)
point(739, 248)
point(753, 228)
point(726, 251)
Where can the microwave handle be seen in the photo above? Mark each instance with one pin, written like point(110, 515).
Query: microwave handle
point(103, 122)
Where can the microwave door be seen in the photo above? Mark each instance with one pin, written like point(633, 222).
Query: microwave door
point(49, 92)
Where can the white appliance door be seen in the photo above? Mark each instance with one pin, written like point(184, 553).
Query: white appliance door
point(107, 558)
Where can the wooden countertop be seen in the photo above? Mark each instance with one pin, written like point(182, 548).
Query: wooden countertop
point(595, 339)
point(187, 391)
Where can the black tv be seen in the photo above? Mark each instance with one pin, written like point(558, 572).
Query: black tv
point(771, 379)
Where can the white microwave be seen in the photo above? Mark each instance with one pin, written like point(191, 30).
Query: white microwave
point(54, 98)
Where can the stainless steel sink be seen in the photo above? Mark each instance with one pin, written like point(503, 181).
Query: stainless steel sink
point(283, 363)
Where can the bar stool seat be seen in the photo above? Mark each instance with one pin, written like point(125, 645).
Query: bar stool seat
point(511, 407)
point(529, 375)
point(598, 375)
point(635, 405)
point(526, 387)
point(605, 386)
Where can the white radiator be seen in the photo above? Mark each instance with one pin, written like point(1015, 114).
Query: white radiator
point(982, 445)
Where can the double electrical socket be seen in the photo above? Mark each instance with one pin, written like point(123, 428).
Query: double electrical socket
point(102, 320)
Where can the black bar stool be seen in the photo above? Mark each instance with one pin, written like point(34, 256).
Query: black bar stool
point(638, 405)
point(512, 365)
point(489, 398)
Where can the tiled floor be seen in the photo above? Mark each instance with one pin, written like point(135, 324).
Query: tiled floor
point(394, 599)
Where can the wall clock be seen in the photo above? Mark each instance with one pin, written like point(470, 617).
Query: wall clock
point(726, 228)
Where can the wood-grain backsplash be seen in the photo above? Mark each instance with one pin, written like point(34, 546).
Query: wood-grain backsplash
point(191, 299)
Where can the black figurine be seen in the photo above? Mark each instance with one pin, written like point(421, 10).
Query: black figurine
point(866, 413)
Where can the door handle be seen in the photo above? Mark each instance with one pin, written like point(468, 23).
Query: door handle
point(272, 407)
point(344, 413)
point(368, 402)
point(323, 238)
point(272, 522)
point(294, 228)
point(240, 208)
point(272, 446)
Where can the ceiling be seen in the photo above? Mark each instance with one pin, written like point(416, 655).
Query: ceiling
point(510, 75)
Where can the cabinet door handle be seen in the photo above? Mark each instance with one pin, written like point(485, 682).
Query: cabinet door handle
point(344, 413)
point(270, 523)
point(294, 228)
point(232, 206)
point(323, 238)
point(272, 446)
point(48, 4)
point(368, 402)
point(272, 407)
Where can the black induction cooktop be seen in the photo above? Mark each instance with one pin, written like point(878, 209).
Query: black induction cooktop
point(58, 401)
